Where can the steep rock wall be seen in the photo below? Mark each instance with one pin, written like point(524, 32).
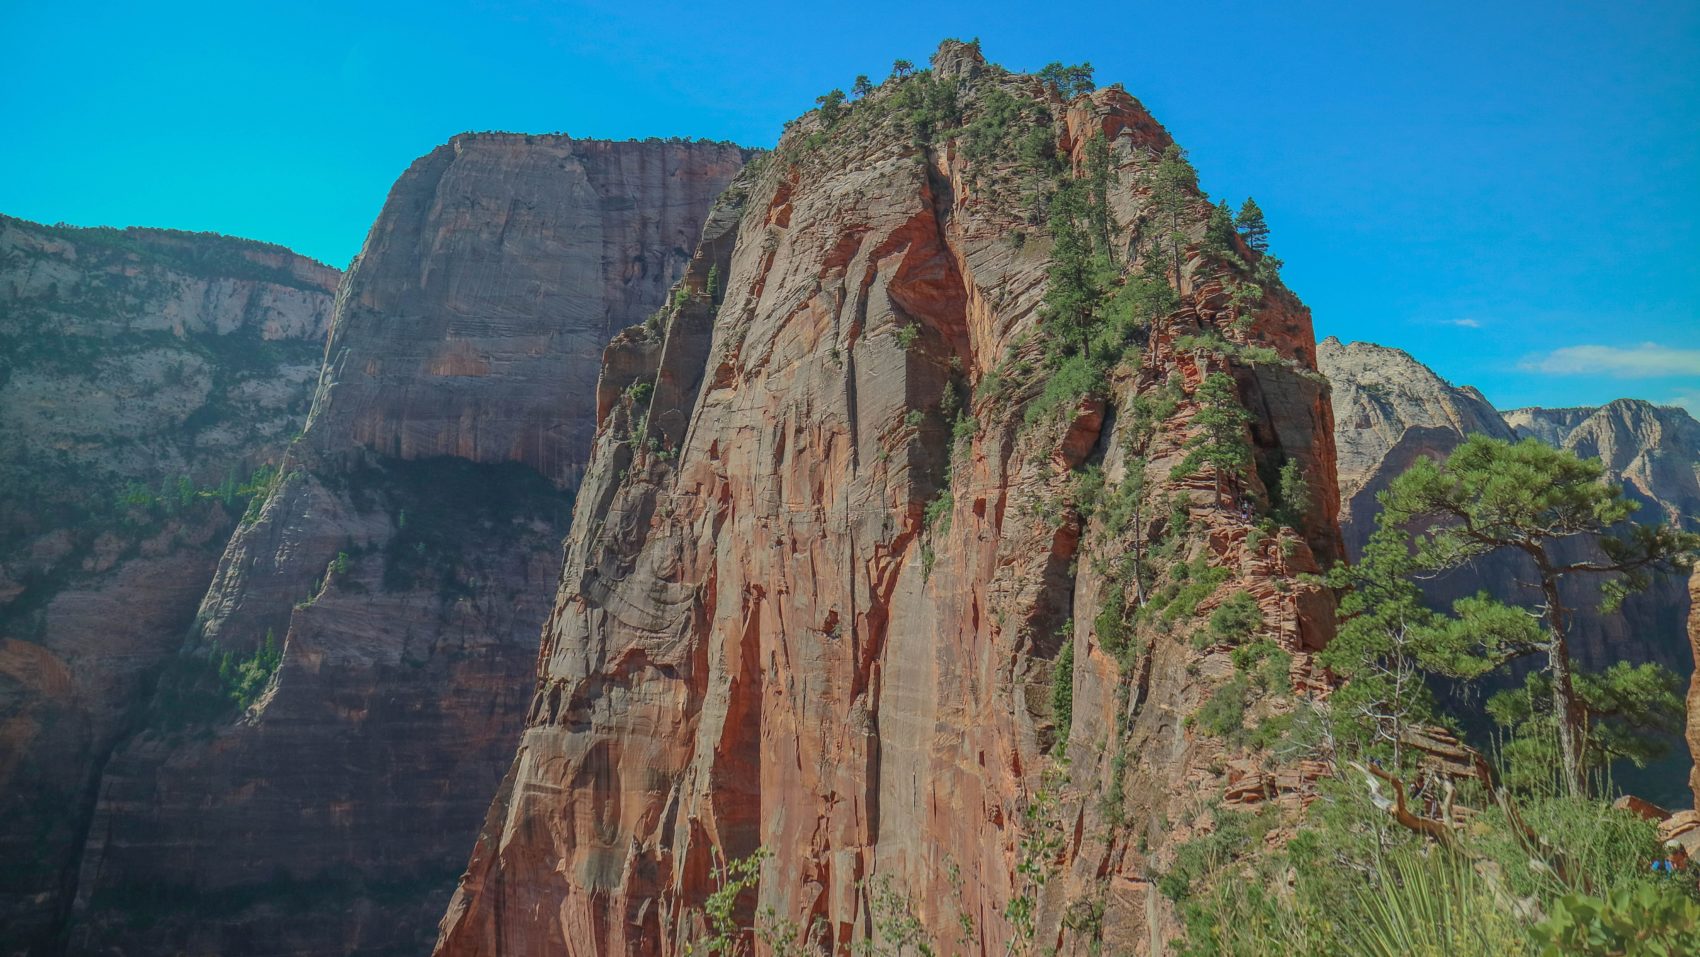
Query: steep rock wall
point(799, 614)
point(400, 561)
point(144, 376)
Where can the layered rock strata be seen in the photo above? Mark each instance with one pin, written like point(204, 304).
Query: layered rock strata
point(319, 797)
point(842, 565)
point(145, 376)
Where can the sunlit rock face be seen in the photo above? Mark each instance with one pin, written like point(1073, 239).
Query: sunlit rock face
point(403, 563)
point(762, 638)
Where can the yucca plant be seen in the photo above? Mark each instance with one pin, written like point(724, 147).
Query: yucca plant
point(1432, 904)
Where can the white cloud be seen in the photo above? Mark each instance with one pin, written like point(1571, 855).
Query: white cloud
point(1645, 361)
point(1463, 323)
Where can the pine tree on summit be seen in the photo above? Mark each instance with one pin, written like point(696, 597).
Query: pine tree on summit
point(1252, 227)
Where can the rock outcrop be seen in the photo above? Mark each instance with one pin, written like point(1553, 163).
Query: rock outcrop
point(1654, 451)
point(1390, 409)
point(145, 376)
point(854, 563)
point(321, 753)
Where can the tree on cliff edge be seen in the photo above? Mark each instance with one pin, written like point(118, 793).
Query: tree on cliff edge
point(1492, 496)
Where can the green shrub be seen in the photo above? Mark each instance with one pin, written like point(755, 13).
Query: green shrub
point(1072, 381)
point(1648, 919)
point(938, 512)
point(1223, 716)
point(1237, 618)
point(1431, 903)
point(1062, 685)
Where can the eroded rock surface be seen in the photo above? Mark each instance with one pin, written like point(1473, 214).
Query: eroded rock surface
point(1390, 410)
point(145, 375)
point(801, 612)
point(322, 802)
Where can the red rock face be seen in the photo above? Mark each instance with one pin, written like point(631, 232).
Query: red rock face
point(1694, 686)
point(761, 641)
point(403, 561)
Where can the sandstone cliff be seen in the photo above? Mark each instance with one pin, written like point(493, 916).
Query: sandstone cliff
point(1389, 410)
point(1694, 688)
point(856, 577)
point(145, 375)
point(320, 756)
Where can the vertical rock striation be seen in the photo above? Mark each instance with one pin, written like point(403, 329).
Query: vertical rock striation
point(1694, 688)
point(320, 800)
point(144, 376)
point(807, 609)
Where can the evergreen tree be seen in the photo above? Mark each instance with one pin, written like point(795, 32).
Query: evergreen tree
point(831, 106)
point(1174, 186)
point(862, 87)
point(1390, 642)
point(1292, 497)
point(901, 68)
point(1068, 81)
point(1219, 230)
point(1629, 710)
point(1252, 228)
point(1098, 178)
point(1528, 498)
point(1220, 440)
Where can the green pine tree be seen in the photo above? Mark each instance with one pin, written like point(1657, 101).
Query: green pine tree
point(1252, 227)
point(1492, 496)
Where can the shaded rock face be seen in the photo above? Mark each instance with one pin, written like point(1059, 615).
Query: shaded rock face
point(499, 268)
point(762, 639)
point(140, 371)
point(322, 802)
point(1389, 410)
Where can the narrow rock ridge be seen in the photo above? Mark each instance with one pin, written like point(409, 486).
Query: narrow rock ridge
point(796, 614)
point(400, 561)
point(145, 374)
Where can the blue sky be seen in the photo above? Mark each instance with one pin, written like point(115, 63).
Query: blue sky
point(1508, 190)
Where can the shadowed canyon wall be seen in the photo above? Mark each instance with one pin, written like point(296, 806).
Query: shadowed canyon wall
point(318, 755)
point(145, 375)
point(835, 553)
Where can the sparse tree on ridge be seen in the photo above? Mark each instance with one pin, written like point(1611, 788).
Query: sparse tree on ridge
point(1252, 228)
